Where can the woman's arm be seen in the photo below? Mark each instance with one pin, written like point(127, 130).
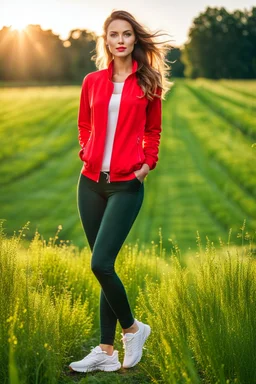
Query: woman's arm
point(153, 128)
point(152, 133)
point(84, 116)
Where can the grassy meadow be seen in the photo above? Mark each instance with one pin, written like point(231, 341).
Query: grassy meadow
point(188, 263)
point(205, 180)
point(202, 312)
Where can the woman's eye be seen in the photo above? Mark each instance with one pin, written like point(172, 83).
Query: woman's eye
point(127, 34)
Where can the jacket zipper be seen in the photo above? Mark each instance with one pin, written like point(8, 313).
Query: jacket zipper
point(117, 124)
point(105, 138)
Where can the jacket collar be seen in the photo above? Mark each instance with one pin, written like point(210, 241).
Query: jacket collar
point(111, 67)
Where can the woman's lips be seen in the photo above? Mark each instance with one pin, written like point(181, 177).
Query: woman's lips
point(121, 49)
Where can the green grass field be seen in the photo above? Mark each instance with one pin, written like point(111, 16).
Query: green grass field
point(188, 263)
point(205, 180)
point(202, 312)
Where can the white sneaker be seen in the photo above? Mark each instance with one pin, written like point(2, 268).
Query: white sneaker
point(133, 344)
point(97, 360)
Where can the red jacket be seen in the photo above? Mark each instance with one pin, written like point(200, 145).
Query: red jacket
point(138, 129)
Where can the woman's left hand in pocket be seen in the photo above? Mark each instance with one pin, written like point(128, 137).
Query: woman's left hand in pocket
point(142, 173)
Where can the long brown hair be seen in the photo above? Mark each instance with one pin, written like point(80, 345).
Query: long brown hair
point(150, 54)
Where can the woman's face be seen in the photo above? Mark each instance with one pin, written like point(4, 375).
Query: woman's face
point(120, 34)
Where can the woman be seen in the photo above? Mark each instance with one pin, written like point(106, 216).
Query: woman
point(119, 126)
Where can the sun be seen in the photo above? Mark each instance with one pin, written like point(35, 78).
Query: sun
point(19, 25)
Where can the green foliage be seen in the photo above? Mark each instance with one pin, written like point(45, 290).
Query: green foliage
point(177, 67)
point(203, 317)
point(40, 55)
point(41, 325)
point(221, 45)
point(202, 311)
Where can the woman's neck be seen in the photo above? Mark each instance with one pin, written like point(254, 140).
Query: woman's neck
point(122, 67)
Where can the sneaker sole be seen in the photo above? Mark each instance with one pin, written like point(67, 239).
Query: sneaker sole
point(105, 368)
point(146, 333)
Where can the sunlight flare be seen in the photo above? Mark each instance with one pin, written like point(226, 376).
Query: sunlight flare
point(19, 26)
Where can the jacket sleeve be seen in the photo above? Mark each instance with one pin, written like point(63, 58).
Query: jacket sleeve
point(84, 117)
point(153, 128)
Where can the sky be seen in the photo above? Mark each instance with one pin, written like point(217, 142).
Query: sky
point(61, 16)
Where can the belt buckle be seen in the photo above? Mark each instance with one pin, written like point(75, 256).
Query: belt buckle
point(107, 176)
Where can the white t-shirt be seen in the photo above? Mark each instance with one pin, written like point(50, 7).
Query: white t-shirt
point(113, 111)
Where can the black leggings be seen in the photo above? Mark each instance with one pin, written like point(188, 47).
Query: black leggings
point(107, 212)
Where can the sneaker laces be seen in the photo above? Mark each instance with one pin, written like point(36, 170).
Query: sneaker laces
point(126, 345)
point(94, 351)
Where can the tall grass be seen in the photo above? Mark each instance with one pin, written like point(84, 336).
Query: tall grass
point(40, 324)
point(204, 318)
point(202, 311)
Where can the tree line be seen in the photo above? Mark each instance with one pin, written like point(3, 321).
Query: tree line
point(220, 44)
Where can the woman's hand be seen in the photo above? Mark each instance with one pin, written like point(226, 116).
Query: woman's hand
point(142, 173)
